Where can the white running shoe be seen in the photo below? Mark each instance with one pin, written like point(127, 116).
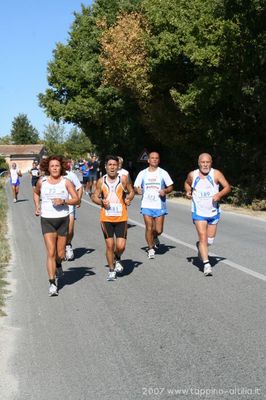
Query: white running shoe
point(111, 276)
point(69, 253)
point(59, 272)
point(118, 267)
point(207, 270)
point(156, 243)
point(15, 200)
point(151, 253)
point(53, 291)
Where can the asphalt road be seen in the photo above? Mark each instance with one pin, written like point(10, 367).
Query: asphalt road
point(161, 331)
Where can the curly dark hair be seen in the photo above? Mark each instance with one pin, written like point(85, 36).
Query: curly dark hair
point(44, 165)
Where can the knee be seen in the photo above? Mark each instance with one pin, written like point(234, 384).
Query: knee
point(149, 228)
point(61, 254)
point(203, 239)
point(159, 231)
point(210, 240)
point(120, 248)
point(110, 247)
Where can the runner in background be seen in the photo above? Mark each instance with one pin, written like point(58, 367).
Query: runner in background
point(153, 183)
point(15, 174)
point(121, 170)
point(85, 176)
point(72, 211)
point(35, 174)
point(93, 166)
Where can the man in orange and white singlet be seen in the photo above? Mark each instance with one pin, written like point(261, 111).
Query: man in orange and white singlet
point(203, 187)
point(114, 193)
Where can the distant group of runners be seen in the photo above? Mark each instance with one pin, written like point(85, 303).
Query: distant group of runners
point(59, 192)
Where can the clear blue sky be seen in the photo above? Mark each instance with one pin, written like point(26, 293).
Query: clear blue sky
point(29, 31)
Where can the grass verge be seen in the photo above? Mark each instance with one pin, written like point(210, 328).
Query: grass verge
point(5, 252)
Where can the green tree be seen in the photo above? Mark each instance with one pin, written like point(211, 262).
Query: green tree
point(22, 131)
point(5, 140)
point(203, 63)
point(77, 144)
point(54, 136)
point(76, 92)
point(3, 164)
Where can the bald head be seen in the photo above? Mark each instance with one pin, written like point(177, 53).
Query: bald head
point(205, 163)
point(204, 156)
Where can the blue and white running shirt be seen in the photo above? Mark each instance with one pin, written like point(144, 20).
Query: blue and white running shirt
point(151, 182)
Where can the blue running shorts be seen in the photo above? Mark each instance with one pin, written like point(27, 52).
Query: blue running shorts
point(152, 212)
point(210, 220)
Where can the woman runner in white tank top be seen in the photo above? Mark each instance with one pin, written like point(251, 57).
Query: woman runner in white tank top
point(54, 190)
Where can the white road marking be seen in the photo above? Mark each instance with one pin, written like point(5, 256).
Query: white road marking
point(190, 246)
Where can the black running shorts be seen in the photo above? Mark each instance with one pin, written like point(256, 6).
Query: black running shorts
point(58, 225)
point(119, 229)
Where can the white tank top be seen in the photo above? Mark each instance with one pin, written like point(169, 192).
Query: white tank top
point(14, 175)
point(50, 192)
point(203, 191)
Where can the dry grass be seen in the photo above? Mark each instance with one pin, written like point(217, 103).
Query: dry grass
point(4, 245)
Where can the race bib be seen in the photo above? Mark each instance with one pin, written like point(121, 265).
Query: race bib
point(151, 199)
point(114, 210)
point(53, 194)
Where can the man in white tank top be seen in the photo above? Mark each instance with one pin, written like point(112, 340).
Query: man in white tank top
point(202, 186)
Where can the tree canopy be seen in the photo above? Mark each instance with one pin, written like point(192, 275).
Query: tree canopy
point(22, 132)
point(181, 77)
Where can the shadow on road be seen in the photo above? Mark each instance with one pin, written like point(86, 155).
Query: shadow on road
point(163, 248)
point(73, 275)
point(198, 263)
point(21, 200)
point(130, 226)
point(80, 251)
point(129, 266)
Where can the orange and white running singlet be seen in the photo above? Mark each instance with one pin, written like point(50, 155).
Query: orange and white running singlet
point(114, 192)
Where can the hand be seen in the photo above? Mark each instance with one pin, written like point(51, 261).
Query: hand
point(162, 193)
point(216, 198)
point(127, 201)
point(58, 202)
point(188, 195)
point(139, 190)
point(37, 211)
point(105, 203)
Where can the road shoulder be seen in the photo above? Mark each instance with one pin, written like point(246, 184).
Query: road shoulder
point(225, 207)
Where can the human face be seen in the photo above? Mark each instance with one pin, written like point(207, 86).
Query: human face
point(111, 168)
point(154, 160)
point(205, 163)
point(54, 168)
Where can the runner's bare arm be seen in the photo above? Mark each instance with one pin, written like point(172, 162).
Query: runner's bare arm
point(36, 197)
point(166, 190)
point(220, 178)
point(188, 185)
point(126, 181)
point(75, 199)
point(97, 195)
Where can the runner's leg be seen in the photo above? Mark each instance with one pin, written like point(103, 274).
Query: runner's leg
point(50, 243)
point(149, 230)
point(202, 228)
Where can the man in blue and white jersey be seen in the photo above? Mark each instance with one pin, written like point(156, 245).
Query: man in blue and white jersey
point(203, 187)
point(153, 183)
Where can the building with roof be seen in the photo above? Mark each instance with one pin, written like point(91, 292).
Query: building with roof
point(22, 154)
